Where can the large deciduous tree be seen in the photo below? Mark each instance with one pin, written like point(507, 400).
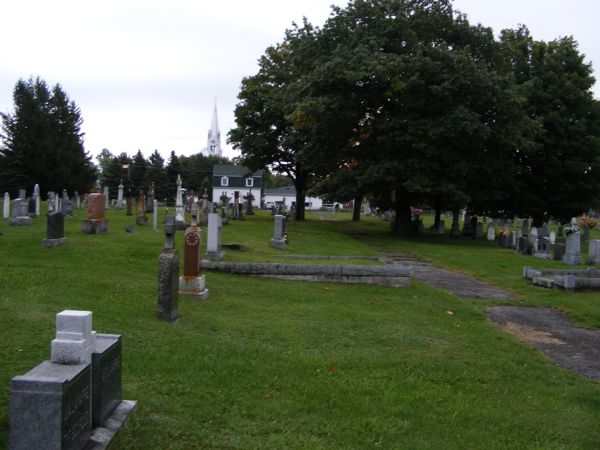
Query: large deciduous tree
point(42, 141)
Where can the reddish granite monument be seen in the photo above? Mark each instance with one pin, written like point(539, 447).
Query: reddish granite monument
point(192, 281)
point(95, 221)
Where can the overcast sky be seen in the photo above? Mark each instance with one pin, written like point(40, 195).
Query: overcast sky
point(146, 73)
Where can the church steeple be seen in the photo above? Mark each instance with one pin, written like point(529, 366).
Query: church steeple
point(213, 147)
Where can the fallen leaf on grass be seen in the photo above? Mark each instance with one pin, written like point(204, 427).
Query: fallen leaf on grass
point(450, 312)
point(268, 394)
point(332, 369)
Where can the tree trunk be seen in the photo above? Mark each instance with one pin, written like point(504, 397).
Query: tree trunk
point(356, 209)
point(438, 215)
point(300, 198)
point(403, 222)
point(455, 230)
point(300, 181)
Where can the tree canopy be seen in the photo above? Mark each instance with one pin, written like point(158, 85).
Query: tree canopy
point(42, 142)
point(406, 102)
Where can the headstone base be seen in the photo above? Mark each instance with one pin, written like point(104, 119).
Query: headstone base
point(91, 226)
point(215, 256)
point(54, 242)
point(193, 286)
point(140, 220)
point(572, 259)
point(101, 436)
point(19, 221)
point(542, 255)
point(279, 244)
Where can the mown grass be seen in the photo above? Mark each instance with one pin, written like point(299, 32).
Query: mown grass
point(272, 364)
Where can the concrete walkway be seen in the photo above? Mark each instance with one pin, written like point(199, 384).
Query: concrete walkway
point(457, 283)
point(552, 332)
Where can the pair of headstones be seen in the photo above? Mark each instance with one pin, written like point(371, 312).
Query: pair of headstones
point(169, 283)
point(57, 404)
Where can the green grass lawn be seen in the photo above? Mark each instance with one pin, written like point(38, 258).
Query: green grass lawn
point(278, 364)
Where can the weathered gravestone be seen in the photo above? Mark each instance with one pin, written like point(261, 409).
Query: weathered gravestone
point(95, 221)
point(129, 203)
point(55, 405)
point(66, 205)
point(120, 202)
point(525, 227)
point(479, 230)
point(150, 199)
point(491, 232)
point(22, 193)
point(141, 218)
point(594, 252)
point(50, 199)
point(20, 214)
point(213, 246)
point(155, 215)
point(278, 239)
point(573, 244)
point(522, 246)
point(36, 196)
point(167, 308)
point(193, 282)
point(6, 206)
point(179, 208)
point(559, 252)
point(532, 240)
point(55, 229)
point(106, 197)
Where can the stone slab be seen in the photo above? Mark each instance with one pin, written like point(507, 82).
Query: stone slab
point(107, 392)
point(279, 244)
point(50, 408)
point(20, 221)
point(54, 242)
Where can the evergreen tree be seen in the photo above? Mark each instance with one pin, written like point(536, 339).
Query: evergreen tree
point(42, 142)
point(137, 173)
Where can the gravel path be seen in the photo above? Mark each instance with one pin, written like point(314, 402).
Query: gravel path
point(552, 332)
point(454, 282)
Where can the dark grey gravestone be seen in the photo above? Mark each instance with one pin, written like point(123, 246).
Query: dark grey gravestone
point(55, 229)
point(504, 240)
point(559, 252)
point(107, 392)
point(168, 286)
point(22, 193)
point(523, 245)
point(31, 207)
point(50, 408)
point(167, 308)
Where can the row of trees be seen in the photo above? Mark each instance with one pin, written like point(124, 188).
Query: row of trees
point(137, 173)
point(42, 142)
point(406, 102)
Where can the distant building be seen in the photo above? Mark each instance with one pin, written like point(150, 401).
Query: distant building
point(213, 145)
point(288, 194)
point(230, 179)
